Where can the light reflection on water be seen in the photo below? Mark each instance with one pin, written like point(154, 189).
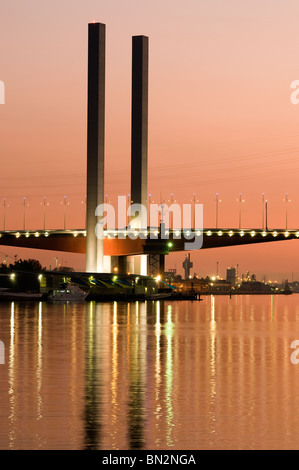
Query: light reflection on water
point(162, 375)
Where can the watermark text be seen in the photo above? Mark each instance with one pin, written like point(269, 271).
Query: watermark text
point(2, 353)
point(295, 94)
point(152, 222)
point(295, 354)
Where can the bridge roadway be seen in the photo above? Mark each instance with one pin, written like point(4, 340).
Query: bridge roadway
point(74, 241)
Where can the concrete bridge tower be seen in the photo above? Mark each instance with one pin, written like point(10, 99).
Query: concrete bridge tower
point(95, 143)
point(139, 139)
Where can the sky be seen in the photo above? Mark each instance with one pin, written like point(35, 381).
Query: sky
point(220, 116)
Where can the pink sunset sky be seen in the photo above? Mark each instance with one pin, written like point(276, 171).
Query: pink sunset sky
point(220, 116)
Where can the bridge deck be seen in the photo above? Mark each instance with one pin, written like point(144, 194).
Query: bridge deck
point(74, 241)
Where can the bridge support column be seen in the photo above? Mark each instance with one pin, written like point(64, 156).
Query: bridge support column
point(95, 143)
point(139, 138)
point(122, 264)
point(137, 264)
point(156, 265)
point(162, 265)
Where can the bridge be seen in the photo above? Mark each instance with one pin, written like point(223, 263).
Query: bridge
point(148, 247)
point(131, 244)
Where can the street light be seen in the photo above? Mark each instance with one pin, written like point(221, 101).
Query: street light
point(25, 205)
point(240, 209)
point(287, 201)
point(65, 203)
point(217, 208)
point(172, 201)
point(128, 207)
point(263, 211)
point(45, 204)
point(5, 205)
point(193, 215)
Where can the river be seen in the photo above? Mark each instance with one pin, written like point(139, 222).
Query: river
point(158, 375)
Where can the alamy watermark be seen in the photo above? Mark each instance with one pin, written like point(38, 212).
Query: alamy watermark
point(2, 92)
point(294, 95)
point(295, 354)
point(2, 353)
point(152, 222)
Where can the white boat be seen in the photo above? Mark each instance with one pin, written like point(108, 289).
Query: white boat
point(71, 292)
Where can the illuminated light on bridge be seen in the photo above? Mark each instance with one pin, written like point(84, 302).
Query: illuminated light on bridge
point(74, 241)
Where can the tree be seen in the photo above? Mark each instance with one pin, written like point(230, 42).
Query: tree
point(29, 265)
point(4, 268)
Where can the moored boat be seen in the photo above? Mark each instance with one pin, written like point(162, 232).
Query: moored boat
point(69, 292)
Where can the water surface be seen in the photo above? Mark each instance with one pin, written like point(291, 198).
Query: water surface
point(161, 375)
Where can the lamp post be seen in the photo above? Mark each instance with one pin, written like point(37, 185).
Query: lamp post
point(217, 208)
point(4, 212)
point(65, 203)
point(45, 204)
point(240, 209)
point(263, 211)
point(287, 201)
point(24, 216)
point(194, 201)
point(171, 200)
point(84, 202)
point(128, 207)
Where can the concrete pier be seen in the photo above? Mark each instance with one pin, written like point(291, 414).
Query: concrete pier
point(95, 143)
point(139, 138)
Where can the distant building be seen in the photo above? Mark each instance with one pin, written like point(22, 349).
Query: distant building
point(187, 265)
point(231, 276)
point(248, 277)
point(170, 275)
point(255, 287)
